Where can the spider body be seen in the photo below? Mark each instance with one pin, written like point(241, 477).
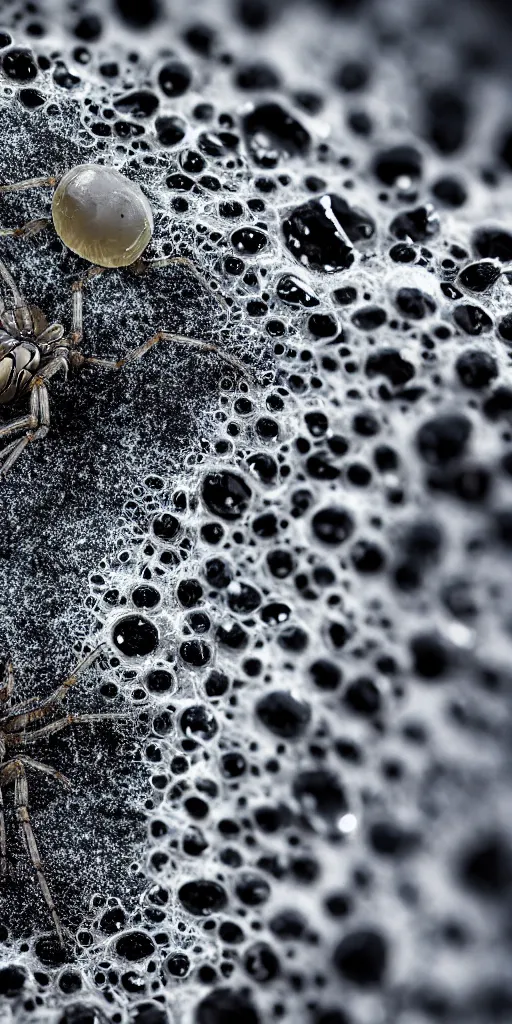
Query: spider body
point(16, 734)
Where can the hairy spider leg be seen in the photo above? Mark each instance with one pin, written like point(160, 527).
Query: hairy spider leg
point(182, 339)
point(32, 226)
point(37, 422)
point(143, 266)
point(19, 712)
point(15, 771)
point(12, 739)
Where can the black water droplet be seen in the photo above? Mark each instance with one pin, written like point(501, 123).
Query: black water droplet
point(478, 277)
point(316, 233)
point(202, 897)
point(174, 78)
point(295, 292)
point(333, 525)
point(249, 241)
point(226, 1006)
point(283, 715)
point(321, 793)
point(361, 957)
point(226, 494)
point(493, 243)
point(135, 946)
point(135, 636)
point(138, 104)
point(444, 438)
point(271, 132)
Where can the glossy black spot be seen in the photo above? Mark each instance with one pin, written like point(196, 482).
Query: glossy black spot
point(252, 889)
point(417, 225)
point(283, 715)
point(333, 525)
point(361, 957)
point(261, 963)
point(202, 897)
point(249, 241)
point(19, 65)
point(398, 162)
point(493, 243)
point(135, 636)
point(196, 653)
point(12, 980)
point(135, 946)
point(139, 104)
point(226, 1006)
point(476, 369)
point(295, 292)
point(271, 133)
point(170, 130)
point(430, 656)
point(316, 233)
point(174, 78)
point(388, 362)
point(166, 526)
point(444, 438)
point(321, 794)
point(479, 277)
point(414, 303)
point(226, 494)
point(472, 319)
point(369, 318)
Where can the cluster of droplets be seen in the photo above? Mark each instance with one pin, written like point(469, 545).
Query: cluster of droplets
point(305, 599)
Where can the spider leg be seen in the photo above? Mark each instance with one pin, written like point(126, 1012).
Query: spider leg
point(7, 682)
point(15, 770)
point(19, 186)
point(3, 838)
point(181, 339)
point(78, 302)
point(46, 705)
point(143, 266)
point(32, 227)
point(24, 738)
point(38, 423)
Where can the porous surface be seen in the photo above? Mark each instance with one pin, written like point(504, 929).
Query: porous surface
point(303, 579)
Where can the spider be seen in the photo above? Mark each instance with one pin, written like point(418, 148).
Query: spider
point(15, 735)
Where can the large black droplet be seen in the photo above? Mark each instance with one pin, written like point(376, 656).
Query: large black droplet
point(318, 233)
point(226, 494)
point(443, 438)
point(138, 15)
point(135, 636)
point(398, 162)
point(320, 792)
point(271, 132)
point(361, 957)
point(226, 1006)
point(295, 292)
point(333, 525)
point(283, 715)
point(135, 946)
point(202, 897)
point(137, 104)
point(12, 980)
point(493, 243)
